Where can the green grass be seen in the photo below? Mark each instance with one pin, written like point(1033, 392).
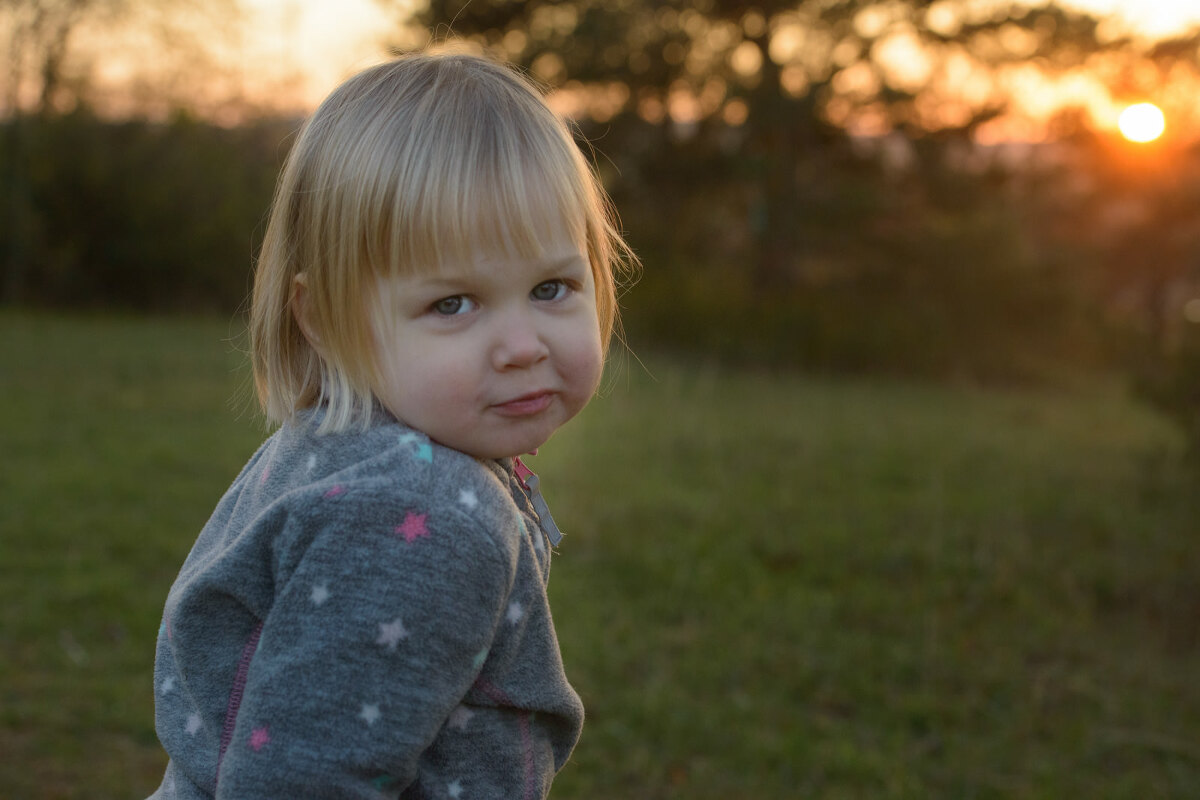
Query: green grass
point(773, 586)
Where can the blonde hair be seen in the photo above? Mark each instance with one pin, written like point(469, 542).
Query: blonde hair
point(407, 166)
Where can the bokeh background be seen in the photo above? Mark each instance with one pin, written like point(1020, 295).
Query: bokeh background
point(892, 492)
point(919, 188)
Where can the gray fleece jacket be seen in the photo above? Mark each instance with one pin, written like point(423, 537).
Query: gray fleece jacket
point(364, 615)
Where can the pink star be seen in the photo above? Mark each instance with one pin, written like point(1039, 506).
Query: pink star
point(335, 491)
point(259, 739)
point(413, 527)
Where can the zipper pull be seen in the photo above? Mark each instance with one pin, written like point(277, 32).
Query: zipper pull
point(530, 482)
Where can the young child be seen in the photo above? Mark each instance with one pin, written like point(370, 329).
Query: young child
point(365, 613)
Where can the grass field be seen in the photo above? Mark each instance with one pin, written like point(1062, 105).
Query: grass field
point(772, 586)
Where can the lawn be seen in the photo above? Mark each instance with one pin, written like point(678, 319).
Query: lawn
point(772, 586)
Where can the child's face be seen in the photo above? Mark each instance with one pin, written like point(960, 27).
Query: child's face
point(491, 356)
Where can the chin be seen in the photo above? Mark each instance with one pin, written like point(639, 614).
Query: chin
point(484, 440)
point(514, 446)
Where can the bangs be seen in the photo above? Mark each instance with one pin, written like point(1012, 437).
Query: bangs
point(495, 174)
point(506, 210)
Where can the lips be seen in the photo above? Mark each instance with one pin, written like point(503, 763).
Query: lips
point(526, 405)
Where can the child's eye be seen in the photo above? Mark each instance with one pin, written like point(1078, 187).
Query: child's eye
point(549, 290)
point(450, 306)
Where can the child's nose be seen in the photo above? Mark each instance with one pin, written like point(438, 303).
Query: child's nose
point(518, 343)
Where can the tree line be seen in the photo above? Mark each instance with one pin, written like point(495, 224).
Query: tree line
point(133, 215)
point(772, 230)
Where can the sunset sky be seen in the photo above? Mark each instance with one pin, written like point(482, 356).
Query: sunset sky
point(286, 55)
point(1151, 17)
point(322, 41)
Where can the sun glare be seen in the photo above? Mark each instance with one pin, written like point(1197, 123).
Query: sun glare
point(1142, 122)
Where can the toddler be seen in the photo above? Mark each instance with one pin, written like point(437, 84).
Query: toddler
point(365, 613)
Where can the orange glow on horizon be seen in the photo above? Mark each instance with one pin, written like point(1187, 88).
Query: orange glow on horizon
point(283, 57)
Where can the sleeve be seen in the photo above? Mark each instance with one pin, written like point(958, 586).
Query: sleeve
point(382, 621)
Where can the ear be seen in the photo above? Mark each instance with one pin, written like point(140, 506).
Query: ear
point(301, 310)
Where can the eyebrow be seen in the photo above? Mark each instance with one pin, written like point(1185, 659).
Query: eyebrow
point(565, 263)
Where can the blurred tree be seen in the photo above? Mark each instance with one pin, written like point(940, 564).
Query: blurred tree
point(145, 215)
point(44, 77)
point(51, 46)
point(38, 37)
point(762, 96)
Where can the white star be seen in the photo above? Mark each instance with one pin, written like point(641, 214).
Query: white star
point(455, 790)
point(467, 498)
point(370, 713)
point(320, 594)
point(459, 717)
point(193, 724)
point(515, 612)
point(390, 633)
point(167, 686)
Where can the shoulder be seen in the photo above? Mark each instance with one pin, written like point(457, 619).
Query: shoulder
point(390, 483)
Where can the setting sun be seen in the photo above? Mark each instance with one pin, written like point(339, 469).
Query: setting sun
point(1142, 122)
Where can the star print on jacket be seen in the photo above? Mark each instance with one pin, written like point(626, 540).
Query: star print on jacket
point(259, 738)
point(377, 603)
point(467, 499)
point(370, 713)
point(460, 718)
point(391, 633)
point(422, 450)
point(413, 527)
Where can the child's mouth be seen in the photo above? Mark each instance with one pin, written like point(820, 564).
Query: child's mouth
point(525, 405)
